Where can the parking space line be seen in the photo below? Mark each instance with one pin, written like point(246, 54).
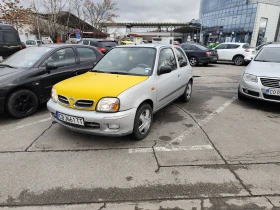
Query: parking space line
point(26, 125)
point(202, 122)
point(172, 149)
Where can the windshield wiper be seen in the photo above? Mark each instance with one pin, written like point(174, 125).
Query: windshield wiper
point(6, 65)
point(261, 60)
point(119, 72)
point(99, 71)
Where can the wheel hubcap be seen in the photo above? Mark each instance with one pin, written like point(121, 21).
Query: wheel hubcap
point(24, 104)
point(238, 61)
point(145, 120)
point(193, 61)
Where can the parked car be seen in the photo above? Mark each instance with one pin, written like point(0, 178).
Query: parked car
point(47, 40)
point(103, 45)
point(123, 91)
point(23, 45)
point(9, 41)
point(199, 54)
point(33, 43)
point(27, 77)
point(235, 52)
point(261, 79)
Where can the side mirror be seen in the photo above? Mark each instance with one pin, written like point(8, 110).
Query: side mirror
point(51, 66)
point(164, 70)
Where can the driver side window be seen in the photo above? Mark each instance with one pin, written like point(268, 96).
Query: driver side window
point(221, 47)
point(167, 58)
point(63, 57)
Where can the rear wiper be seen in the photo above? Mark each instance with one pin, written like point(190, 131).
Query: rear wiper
point(6, 65)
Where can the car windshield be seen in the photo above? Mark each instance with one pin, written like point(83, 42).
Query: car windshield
point(269, 54)
point(128, 60)
point(26, 58)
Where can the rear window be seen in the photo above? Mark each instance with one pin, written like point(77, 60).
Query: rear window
point(269, 54)
point(232, 46)
point(10, 37)
point(107, 44)
point(157, 39)
point(246, 46)
point(201, 47)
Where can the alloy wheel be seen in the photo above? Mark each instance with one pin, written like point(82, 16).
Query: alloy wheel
point(145, 120)
point(24, 104)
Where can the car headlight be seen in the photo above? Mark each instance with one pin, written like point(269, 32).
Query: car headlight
point(108, 105)
point(250, 78)
point(54, 96)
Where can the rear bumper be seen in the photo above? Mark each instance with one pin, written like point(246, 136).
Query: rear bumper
point(207, 59)
point(2, 105)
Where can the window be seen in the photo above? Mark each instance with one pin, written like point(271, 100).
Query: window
point(63, 57)
point(10, 36)
point(181, 57)
point(93, 44)
point(107, 44)
point(269, 54)
point(86, 54)
point(221, 47)
point(232, 46)
point(167, 58)
point(246, 46)
point(86, 42)
point(187, 47)
point(30, 42)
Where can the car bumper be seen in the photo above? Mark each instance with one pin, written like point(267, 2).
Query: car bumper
point(96, 122)
point(256, 91)
point(249, 58)
point(207, 59)
point(2, 105)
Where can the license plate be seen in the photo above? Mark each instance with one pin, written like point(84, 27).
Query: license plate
point(274, 92)
point(70, 119)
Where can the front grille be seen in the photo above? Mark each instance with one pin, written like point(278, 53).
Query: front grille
point(84, 103)
point(267, 82)
point(63, 100)
point(270, 97)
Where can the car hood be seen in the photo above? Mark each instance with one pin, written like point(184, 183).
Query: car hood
point(94, 86)
point(5, 73)
point(264, 69)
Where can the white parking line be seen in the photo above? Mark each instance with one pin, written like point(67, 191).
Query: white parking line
point(26, 125)
point(172, 149)
point(202, 122)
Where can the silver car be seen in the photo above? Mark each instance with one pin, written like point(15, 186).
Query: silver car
point(122, 92)
point(261, 79)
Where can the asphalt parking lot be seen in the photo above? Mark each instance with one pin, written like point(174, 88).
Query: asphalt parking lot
point(215, 152)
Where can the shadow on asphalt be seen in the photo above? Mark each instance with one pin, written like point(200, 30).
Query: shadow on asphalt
point(264, 106)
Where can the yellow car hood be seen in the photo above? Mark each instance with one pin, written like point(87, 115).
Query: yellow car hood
point(94, 86)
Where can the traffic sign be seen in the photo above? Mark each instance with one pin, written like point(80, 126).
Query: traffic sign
point(77, 31)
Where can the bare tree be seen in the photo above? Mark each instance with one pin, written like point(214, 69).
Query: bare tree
point(99, 13)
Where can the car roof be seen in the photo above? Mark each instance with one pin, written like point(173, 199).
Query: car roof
point(238, 43)
point(99, 40)
point(58, 45)
point(145, 45)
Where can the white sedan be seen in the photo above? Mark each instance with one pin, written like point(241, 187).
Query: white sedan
point(261, 79)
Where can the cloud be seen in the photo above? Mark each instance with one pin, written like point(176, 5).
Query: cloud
point(157, 10)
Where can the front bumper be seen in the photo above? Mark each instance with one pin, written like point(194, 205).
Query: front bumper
point(256, 91)
point(124, 119)
point(2, 105)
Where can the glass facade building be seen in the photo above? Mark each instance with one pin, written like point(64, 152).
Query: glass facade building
point(229, 20)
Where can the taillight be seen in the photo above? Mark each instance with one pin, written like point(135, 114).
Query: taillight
point(247, 50)
point(102, 50)
point(20, 47)
point(208, 53)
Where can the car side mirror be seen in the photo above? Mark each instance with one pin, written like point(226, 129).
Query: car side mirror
point(164, 70)
point(51, 66)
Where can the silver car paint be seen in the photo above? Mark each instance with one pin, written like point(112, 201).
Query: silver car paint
point(168, 87)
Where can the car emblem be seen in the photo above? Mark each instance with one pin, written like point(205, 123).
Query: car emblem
point(72, 98)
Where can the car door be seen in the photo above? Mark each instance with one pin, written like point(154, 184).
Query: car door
point(169, 84)
point(86, 57)
point(65, 62)
point(184, 69)
point(221, 49)
point(231, 51)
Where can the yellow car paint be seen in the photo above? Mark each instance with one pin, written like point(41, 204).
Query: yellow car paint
point(94, 86)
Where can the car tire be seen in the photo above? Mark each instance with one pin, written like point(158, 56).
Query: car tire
point(241, 97)
point(144, 115)
point(238, 60)
point(22, 103)
point(186, 97)
point(193, 61)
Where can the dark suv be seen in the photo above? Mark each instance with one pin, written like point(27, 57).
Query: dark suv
point(103, 45)
point(9, 40)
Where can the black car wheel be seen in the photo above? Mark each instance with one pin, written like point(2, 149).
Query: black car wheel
point(142, 122)
point(22, 103)
point(193, 61)
point(238, 60)
point(186, 97)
